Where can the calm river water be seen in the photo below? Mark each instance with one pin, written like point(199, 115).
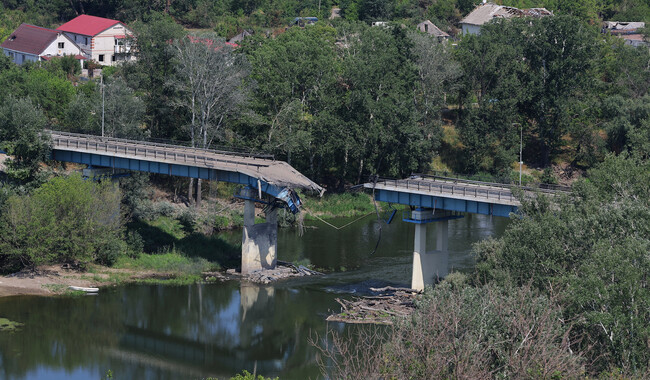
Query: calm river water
point(197, 331)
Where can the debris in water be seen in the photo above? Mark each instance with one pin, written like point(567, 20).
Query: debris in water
point(378, 309)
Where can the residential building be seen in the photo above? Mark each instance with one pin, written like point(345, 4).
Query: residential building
point(430, 28)
point(487, 12)
point(30, 43)
point(628, 31)
point(103, 40)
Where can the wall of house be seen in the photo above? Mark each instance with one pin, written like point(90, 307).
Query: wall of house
point(68, 47)
point(20, 58)
point(104, 44)
point(471, 29)
point(81, 40)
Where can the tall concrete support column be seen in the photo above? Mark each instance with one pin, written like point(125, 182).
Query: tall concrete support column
point(249, 207)
point(429, 266)
point(259, 241)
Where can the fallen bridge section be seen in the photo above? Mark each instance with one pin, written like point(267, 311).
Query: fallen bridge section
point(264, 179)
point(266, 175)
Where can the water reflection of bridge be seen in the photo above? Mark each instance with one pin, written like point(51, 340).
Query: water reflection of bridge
point(221, 341)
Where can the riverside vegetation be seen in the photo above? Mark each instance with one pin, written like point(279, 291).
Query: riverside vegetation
point(563, 294)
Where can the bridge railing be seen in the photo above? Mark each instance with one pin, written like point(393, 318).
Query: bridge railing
point(450, 189)
point(178, 145)
point(486, 180)
point(147, 150)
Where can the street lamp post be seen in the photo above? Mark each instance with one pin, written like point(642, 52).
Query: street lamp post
point(521, 145)
point(102, 84)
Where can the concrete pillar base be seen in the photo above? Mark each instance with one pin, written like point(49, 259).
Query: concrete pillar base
point(259, 241)
point(429, 266)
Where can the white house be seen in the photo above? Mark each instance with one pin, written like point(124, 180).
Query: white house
point(430, 28)
point(102, 39)
point(487, 12)
point(34, 43)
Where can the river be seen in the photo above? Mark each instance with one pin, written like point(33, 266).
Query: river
point(197, 331)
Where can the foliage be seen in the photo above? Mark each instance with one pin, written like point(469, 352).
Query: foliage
point(209, 79)
point(526, 73)
point(21, 136)
point(67, 219)
point(110, 251)
point(460, 331)
point(171, 262)
point(592, 248)
point(123, 111)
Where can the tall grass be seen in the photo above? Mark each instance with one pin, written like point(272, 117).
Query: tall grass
point(339, 205)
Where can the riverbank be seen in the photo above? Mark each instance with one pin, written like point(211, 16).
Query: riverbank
point(54, 280)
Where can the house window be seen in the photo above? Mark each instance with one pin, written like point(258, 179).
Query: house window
point(101, 58)
point(85, 40)
point(61, 45)
point(113, 58)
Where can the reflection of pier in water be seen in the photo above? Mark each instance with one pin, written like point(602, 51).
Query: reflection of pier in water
point(259, 345)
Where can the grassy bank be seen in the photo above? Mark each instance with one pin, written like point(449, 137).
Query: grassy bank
point(338, 205)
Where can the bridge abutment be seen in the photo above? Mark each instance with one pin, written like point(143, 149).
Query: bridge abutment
point(259, 241)
point(429, 266)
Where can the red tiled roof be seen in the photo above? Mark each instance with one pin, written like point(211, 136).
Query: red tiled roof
point(30, 39)
point(87, 25)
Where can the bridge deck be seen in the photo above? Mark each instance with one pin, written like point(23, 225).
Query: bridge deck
point(277, 173)
point(445, 194)
point(448, 189)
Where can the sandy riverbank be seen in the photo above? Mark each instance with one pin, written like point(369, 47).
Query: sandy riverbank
point(53, 279)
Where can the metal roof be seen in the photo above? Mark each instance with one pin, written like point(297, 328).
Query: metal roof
point(432, 29)
point(30, 39)
point(488, 11)
point(87, 25)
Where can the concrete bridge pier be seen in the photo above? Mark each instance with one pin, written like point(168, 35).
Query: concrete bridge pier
point(259, 241)
point(429, 266)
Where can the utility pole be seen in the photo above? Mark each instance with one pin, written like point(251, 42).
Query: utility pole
point(101, 78)
point(521, 144)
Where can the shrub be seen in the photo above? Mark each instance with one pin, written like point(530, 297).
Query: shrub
point(135, 244)
point(189, 218)
point(164, 209)
point(462, 332)
point(67, 219)
point(110, 251)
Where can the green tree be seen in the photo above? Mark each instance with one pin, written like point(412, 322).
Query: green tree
point(123, 111)
point(149, 74)
point(210, 80)
point(67, 219)
point(22, 137)
point(592, 249)
point(294, 74)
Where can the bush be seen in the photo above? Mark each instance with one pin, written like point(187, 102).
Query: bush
point(164, 209)
point(189, 218)
point(67, 219)
point(462, 332)
point(592, 248)
point(110, 251)
point(135, 244)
